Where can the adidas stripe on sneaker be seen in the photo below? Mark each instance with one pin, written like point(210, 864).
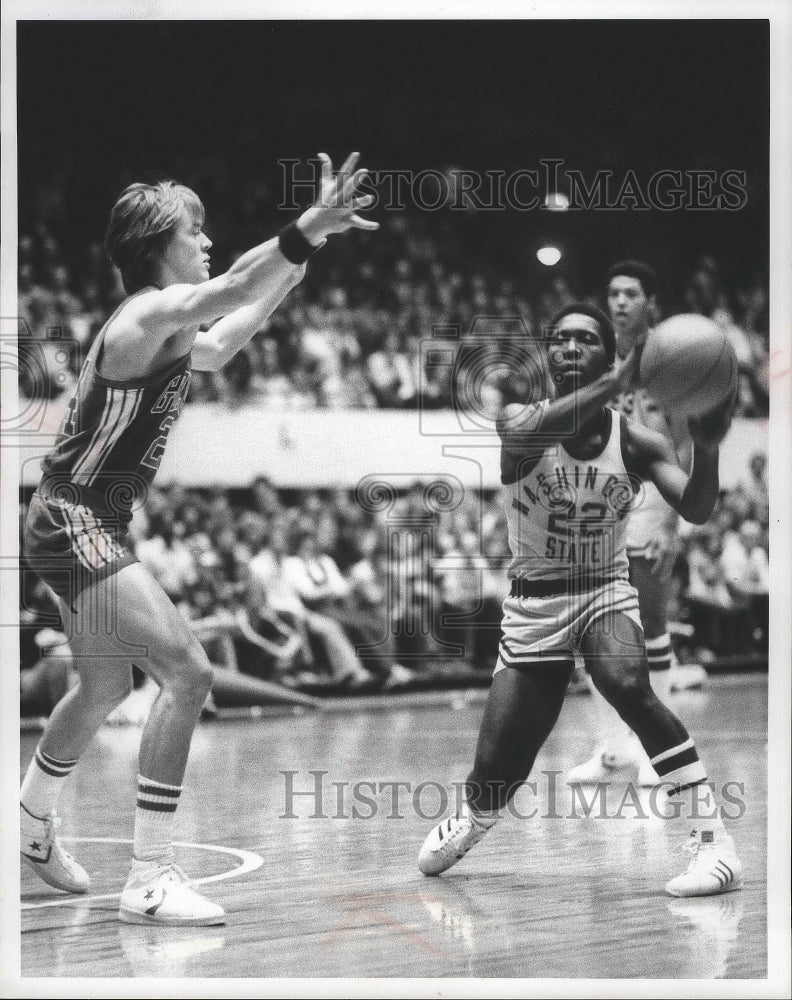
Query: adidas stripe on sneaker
point(451, 839)
point(714, 866)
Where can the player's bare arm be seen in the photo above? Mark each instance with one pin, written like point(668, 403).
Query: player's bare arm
point(334, 212)
point(523, 429)
point(652, 456)
point(214, 348)
point(164, 323)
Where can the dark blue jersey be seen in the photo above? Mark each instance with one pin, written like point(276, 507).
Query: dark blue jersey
point(113, 435)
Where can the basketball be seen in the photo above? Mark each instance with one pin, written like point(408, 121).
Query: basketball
point(688, 364)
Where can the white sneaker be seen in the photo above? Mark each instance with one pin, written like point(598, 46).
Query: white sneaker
point(42, 853)
point(450, 841)
point(714, 866)
point(161, 894)
point(602, 767)
point(399, 676)
point(688, 677)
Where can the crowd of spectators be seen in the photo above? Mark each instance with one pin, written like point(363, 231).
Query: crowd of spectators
point(723, 580)
point(307, 590)
point(350, 336)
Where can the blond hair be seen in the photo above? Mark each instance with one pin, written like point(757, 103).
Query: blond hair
point(141, 223)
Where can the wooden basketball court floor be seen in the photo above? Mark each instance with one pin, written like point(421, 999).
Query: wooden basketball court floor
point(328, 897)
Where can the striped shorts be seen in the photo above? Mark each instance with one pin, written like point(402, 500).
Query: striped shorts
point(69, 547)
point(550, 628)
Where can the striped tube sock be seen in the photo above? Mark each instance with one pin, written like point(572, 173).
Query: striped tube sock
point(658, 652)
point(154, 816)
point(45, 778)
point(680, 765)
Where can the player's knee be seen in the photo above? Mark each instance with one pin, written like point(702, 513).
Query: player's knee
point(178, 651)
point(183, 668)
point(194, 679)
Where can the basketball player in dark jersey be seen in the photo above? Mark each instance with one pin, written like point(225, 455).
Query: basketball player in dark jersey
point(130, 392)
point(652, 532)
point(572, 468)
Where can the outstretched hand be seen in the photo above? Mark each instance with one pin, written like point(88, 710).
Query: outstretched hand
point(336, 209)
point(710, 428)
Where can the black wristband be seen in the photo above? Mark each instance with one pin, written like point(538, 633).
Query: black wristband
point(293, 244)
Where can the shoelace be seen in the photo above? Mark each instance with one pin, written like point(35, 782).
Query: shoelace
point(53, 823)
point(691, 847)
point(174, 874)
point(465, 826)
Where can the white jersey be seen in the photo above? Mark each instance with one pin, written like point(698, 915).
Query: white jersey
point(652, 511)
point(567, 518)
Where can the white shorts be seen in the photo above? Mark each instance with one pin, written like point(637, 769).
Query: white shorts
point(550, 628)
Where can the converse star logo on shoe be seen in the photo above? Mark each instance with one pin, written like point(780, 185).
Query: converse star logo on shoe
point(149, 894)
point(39, 860)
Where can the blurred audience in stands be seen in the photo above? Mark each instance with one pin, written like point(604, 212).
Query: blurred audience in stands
point(353, 334)
point(309, 590)
point(306, 588)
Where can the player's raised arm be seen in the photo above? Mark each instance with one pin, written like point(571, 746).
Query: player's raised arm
point(260, 272)
point(215, 347)
point(521, 427)
point(652, 455)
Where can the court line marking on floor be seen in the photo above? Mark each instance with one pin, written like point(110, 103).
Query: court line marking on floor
point(697, 734)
point(250, 862)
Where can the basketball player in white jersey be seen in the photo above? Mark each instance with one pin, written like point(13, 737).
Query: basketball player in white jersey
point(130, 392)
point(652, 532)
point(572, 469)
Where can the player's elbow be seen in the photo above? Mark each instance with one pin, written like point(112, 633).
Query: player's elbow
point(696, 513)
point(207, 354)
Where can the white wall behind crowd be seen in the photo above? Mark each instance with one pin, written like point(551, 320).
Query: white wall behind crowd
point(213, 446)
